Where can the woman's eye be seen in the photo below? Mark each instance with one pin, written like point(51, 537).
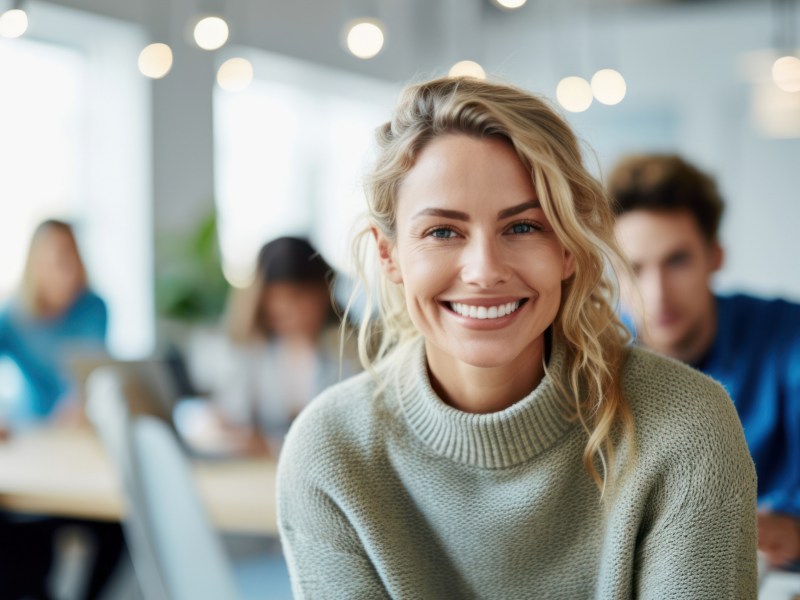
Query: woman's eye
point(442, 233)
point(523, 228)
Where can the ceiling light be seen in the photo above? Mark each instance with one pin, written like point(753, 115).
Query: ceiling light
point(608, 86)
point(235, 74)
point(211, 33)
point(786, 73)
point(510, 4)
point(574, 94)
point(13, 23)
point(365, 39)
point(467, 68)
point(155, 60)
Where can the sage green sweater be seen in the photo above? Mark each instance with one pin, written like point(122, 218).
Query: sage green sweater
point(405, 497)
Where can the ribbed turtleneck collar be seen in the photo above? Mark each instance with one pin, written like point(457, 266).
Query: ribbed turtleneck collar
point(495, 440)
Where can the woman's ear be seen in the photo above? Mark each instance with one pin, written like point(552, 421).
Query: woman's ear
point(568, 265)
point(387, 255)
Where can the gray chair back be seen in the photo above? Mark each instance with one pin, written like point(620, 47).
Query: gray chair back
point(176, 553)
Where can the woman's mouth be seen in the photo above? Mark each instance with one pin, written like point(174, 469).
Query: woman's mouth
point(496, 311)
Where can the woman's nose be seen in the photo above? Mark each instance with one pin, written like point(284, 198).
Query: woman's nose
point(483, 264)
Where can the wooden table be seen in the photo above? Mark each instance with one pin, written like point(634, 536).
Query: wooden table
point(65, 472)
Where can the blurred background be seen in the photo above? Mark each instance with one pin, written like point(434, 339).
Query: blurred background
point(275, 142)
point(179, 136)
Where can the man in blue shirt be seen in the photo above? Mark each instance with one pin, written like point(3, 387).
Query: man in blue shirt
point(668, 215)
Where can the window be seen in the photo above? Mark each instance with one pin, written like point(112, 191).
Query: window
point(290, 156)
point(66, 151)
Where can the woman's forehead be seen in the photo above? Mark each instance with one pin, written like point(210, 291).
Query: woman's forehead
point(467, 173)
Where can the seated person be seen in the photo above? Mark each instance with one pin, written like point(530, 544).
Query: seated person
point(54, 314)
point(668, 215)
point(507, 442)
point(283, 343)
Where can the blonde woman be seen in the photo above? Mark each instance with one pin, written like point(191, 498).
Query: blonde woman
point(53, 315)
point(506, 442)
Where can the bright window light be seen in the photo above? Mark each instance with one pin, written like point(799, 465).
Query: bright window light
point(62, 158)
point(290, 153)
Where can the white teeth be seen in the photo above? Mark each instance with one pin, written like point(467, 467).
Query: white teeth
point(484, 312)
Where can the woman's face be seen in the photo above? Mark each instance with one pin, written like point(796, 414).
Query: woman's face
point(295, 310)
point(57, 271)
point(480, 265)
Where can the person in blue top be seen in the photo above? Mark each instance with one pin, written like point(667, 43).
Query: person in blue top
point(53, 316)
point(668, 215)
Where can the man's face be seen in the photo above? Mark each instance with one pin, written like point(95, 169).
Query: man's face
point(670, 297)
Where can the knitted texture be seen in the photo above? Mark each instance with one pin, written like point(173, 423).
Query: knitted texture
point(402, 496)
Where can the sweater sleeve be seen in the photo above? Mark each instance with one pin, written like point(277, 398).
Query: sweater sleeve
point(701, 541)
point(325, 555)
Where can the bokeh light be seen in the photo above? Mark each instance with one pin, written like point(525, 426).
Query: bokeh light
point(467, 68)
point(365, 39)
point(155, 60)
point(608, 86)
point(574, 94)
point(13, 23)
point(786, 73)
point(235, 74)
point(211, 33)
point(510, 4)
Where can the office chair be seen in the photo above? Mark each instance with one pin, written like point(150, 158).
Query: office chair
point(175, 552)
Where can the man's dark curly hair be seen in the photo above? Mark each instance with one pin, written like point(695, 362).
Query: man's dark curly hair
point(666, 183)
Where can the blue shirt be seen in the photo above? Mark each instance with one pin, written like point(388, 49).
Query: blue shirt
point(40, 348)
point(756, 357)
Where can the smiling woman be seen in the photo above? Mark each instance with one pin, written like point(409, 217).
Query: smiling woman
point(506, 441)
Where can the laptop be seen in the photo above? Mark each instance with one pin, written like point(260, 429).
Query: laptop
point(158, 387)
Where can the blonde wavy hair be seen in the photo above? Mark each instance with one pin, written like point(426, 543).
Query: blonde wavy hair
point(574, 203)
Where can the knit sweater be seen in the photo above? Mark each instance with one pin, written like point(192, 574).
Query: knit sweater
point(402, 496)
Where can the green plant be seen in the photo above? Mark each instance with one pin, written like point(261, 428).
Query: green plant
point(189, 283)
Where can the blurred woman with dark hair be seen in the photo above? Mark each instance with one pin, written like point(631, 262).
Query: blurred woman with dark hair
point(285, 343)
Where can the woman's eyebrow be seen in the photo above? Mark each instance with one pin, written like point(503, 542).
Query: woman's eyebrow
point(442, 212)
point(462, 216)
point(519, 208)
